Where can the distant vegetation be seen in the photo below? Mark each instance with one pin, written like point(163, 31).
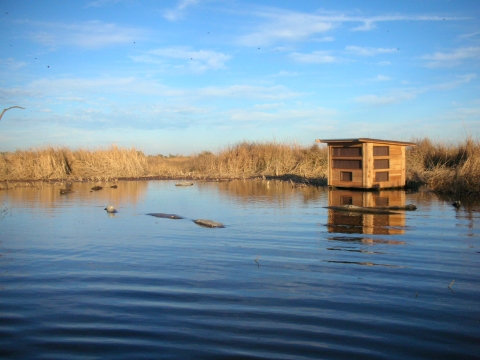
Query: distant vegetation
point(452, 169)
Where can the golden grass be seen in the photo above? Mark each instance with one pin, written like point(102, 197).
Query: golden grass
point(452, 169)
point(61, 163)
point(448, 168)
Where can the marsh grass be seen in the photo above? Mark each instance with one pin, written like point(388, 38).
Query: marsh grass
point(62, 163)
point(447, 168)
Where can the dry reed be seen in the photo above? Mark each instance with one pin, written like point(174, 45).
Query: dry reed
point(447, 168)
point(452, 169)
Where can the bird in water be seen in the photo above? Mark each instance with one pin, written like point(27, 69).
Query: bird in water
point(111, 209)
point(456, 204)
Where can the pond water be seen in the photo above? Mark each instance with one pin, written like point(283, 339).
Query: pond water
point(285, 279)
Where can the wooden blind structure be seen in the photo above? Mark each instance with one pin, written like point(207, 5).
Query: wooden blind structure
point(366, 163)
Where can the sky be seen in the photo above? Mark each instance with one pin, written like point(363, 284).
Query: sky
point(184, 76)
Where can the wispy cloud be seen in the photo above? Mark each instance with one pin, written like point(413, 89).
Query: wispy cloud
point(255, 116)
point(285, 26)
point(456, 57)
point(315, 57)
point(397, 97)
point(179, 11)
point(285, 73)
point(101, 3)
point(400, 95)
point(369, 51)
point(466, 36)
point(11, 63)
point(382, 78)
point(194, 60)
point(282, 25)
point(89, 34)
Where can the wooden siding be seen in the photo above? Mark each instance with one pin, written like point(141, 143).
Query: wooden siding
point(376, 157)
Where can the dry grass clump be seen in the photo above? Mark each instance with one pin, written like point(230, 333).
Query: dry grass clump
point(46, 163)
point(248, 159)
point(111, 162)
point(174, 166)
point(61, 163)
point(446, 168)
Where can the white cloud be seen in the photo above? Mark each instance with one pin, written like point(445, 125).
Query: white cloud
point(369, 51)
point(89, 34)
point(246, 92)
point(100, 3)
point(401, 95)
point(441, 59)
point(285, 26)
point(194, 60)
point(255, 116)
point(382, 78)
point(294, 26)
point(286, 73)
point(12, 63)
point(316, 57)
point(179, 11)
point(375, 100)
point(465, 36)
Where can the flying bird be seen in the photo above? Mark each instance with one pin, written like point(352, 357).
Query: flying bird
point(11, 107)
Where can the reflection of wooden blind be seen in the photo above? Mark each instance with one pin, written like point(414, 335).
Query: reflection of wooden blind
point(381, 164)
point(382, 201)
point(381, 151)
point(381, 176)
point(346, 176)
point(347, 164)
point(347, 151)
point(346, 200)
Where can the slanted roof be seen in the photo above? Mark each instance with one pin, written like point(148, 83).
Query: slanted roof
point(365, 140)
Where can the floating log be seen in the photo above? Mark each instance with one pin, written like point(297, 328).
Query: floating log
point(208, 223)
point(184, 184)
point(408, 207)
point(360, 209)
point(95, 188)
point(114, 186)
point(166, 216)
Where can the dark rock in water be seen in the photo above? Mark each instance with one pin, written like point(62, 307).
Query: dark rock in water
point(95, 188)
point(166, 216)
point(208, 223)
point(184, 184)
point(65, 191)
point(114, 186)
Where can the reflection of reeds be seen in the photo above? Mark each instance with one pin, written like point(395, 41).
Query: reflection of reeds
point(128, 193)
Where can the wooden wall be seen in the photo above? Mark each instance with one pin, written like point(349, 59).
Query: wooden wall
point(366, 177)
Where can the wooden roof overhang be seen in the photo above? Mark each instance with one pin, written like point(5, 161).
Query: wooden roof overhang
point(364, 140)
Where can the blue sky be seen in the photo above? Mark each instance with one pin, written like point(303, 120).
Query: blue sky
point(180, 77)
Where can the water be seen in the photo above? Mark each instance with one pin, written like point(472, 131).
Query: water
point(285, 279)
